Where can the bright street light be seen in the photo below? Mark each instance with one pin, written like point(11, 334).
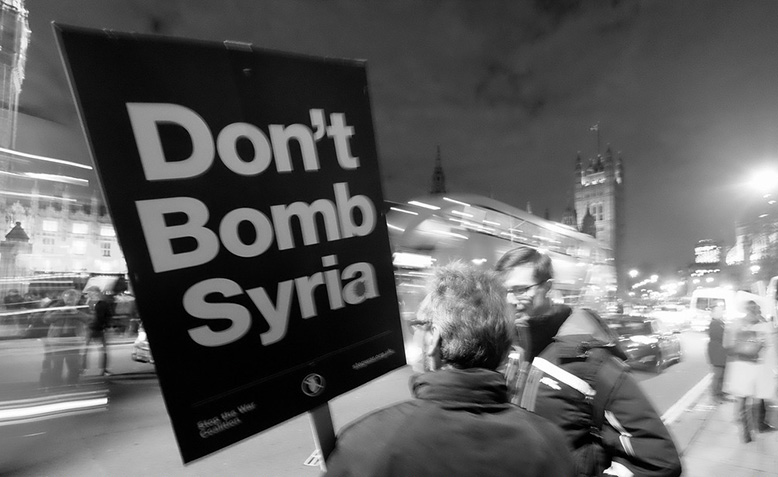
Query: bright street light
point(634, 273)
point(764, 180)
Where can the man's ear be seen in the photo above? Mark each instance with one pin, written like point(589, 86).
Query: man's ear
point(546, 286)
point(432, 341)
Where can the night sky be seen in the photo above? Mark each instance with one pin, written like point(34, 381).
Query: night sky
point(685, 92)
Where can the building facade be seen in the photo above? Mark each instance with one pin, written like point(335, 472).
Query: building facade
point(598, 195)
point(753, 259)
point(14, 38)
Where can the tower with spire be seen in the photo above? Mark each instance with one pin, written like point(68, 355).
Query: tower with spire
point(438, 185)
point(599, 202)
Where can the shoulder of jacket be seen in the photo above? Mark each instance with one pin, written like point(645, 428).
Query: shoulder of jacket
point(393, 414)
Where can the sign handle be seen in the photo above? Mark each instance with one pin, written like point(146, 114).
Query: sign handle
point(323, 432)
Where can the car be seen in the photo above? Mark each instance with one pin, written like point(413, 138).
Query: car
point(703, 300)
point(141, 351)
point(648, 344)
point(675, 317)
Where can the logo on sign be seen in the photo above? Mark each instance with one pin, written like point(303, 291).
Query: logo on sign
point(313, 385)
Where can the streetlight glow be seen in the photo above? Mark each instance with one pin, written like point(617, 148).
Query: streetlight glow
point(764, 180)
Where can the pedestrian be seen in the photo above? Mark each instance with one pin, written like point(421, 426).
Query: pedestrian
point(64, 341)
point(576, 348)
point(717, 353)
point(460, 422)
point(751, 370)
point(13, 302)
point(101, 309)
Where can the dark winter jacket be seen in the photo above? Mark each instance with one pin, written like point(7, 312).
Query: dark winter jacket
point(717, 354)
point(633, 434)
point(460, 424)
point(69, 324)
point(101, 319)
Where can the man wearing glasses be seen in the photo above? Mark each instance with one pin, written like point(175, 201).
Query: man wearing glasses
point(527, 275)
point(565, 366)
point(460, 422)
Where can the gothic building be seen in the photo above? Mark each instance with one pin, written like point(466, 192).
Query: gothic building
point(599, 203)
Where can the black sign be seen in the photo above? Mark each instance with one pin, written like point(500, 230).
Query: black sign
point(246, 196)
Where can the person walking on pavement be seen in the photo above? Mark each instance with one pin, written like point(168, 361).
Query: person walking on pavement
point(64, 342)
point(631, 438)
point(717, 353)
point(460, 422)
point(102, 310)
point(751, 372)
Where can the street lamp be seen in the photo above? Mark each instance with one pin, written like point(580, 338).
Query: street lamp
point(764, 180)
point(634, 273)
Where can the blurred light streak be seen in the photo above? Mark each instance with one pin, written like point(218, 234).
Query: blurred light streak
point(423, 205)
point(456, 201)
point(461, 214)
point(45, 159)
point(55, 405)
point(57, 178)
point(397, 209)
point(39, 196)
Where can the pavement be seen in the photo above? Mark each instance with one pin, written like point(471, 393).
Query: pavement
point(708, 437)
point(706, 433)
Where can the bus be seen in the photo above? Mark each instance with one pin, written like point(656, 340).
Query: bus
point(435, 230)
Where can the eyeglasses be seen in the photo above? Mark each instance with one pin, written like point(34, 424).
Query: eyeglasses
point(419, 325)
point(523, 290)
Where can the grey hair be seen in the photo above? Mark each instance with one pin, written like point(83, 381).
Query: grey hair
point(469, 307)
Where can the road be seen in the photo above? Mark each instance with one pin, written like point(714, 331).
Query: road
point(134, 435)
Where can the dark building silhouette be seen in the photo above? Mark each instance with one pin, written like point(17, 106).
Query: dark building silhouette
point(438, 177)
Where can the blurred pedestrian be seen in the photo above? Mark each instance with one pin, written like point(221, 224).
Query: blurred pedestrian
point(461, 423)
point(64, 342)
point(13, 300)
point(751, 371)
point(717, 353)
point(609, 423)
point(100, 307)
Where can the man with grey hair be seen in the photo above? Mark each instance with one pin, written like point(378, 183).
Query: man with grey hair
point(461, 423)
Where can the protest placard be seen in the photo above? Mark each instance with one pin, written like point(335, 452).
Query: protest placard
point(245, 191)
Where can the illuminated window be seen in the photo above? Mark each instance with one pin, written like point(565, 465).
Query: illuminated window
point(106, 231)
point(105, 247)
point(79, 247)
point(80, 228)
point(50, 225)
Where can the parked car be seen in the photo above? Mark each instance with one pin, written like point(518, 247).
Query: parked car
point(675, 317)
point(648, 344)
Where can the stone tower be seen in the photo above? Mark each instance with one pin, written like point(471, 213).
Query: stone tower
point(599, 201)
point(438, 185)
